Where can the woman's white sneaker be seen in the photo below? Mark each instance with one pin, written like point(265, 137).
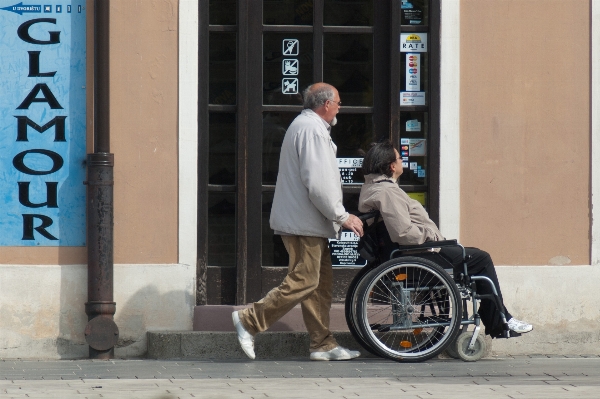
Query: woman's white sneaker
point(337, 353)
point(519, 326)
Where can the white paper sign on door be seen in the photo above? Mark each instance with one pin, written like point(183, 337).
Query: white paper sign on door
point(412, 98)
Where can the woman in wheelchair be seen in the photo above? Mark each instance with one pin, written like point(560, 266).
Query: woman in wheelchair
point(408, 223)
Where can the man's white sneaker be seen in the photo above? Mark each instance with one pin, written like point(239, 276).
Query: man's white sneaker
point(246, 339)
point(519, 326)
point(353, 354)
point(337, 353)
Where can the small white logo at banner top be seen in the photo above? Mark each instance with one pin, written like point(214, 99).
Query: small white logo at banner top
point(290, 47)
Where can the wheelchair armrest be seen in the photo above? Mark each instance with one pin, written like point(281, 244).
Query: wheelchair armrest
point(428, 244)
point(368, 215)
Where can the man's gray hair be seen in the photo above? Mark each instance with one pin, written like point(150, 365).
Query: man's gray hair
point(314, 98)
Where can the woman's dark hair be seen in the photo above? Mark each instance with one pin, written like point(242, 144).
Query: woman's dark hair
point(379, 158)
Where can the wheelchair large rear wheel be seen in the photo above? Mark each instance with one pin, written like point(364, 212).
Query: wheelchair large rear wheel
point(408, 309)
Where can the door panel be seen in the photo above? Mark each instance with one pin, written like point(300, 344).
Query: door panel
point(288, 12)
point(348, 65)
point(223, 67)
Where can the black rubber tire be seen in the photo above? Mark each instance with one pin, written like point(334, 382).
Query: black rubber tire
point(452, 351)
point(429, 287)
point(350, 309)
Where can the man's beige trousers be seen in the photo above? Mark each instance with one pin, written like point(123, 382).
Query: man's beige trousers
point(309, 282)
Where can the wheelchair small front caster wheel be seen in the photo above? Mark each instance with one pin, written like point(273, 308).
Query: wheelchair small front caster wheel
point(452, 351)
point(462, 347)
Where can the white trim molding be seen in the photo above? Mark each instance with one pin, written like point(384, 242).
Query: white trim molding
point(595, 133)
point(188, 131)
point(450, 119)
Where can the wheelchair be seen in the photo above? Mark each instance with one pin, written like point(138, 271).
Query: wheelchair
point(408, 304)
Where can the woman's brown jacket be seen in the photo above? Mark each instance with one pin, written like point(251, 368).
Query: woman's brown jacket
point(406, 220)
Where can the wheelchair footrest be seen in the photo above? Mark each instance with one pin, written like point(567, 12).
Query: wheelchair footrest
point(511, 334)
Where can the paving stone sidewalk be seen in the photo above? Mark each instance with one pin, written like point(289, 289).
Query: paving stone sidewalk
point(509, 377)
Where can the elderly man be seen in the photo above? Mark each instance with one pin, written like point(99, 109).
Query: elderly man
point(307, 210)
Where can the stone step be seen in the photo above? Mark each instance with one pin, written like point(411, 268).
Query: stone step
point(218, 318)
point(224, 345)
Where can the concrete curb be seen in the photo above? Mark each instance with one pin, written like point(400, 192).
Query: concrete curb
point(224, 345)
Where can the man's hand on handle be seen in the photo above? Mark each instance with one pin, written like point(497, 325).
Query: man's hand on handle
point(354, 224)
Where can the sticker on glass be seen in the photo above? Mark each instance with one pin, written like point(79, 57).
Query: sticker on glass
point(289, 86)
point(413, 72)
point(289, 67)
point(413, 166)
point(348, 170)
point(412, 98)
point(421, 173)
point(412, 125)
point(421, 197)
point(413, 42)
point(417, 147)
point(411, 14)
point(290, 47)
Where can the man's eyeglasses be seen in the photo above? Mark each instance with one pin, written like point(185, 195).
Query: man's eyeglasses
point(339, 103)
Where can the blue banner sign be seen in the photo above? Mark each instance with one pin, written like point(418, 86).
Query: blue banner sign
point(42, 123)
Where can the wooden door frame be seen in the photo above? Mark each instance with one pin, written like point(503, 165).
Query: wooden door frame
point(251, 279)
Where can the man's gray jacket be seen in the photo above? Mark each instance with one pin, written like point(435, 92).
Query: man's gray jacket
point(308, 193)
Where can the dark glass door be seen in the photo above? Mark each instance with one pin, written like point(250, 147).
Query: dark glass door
point(253, 67)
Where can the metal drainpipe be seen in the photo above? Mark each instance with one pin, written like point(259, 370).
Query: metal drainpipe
point(101, 332)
